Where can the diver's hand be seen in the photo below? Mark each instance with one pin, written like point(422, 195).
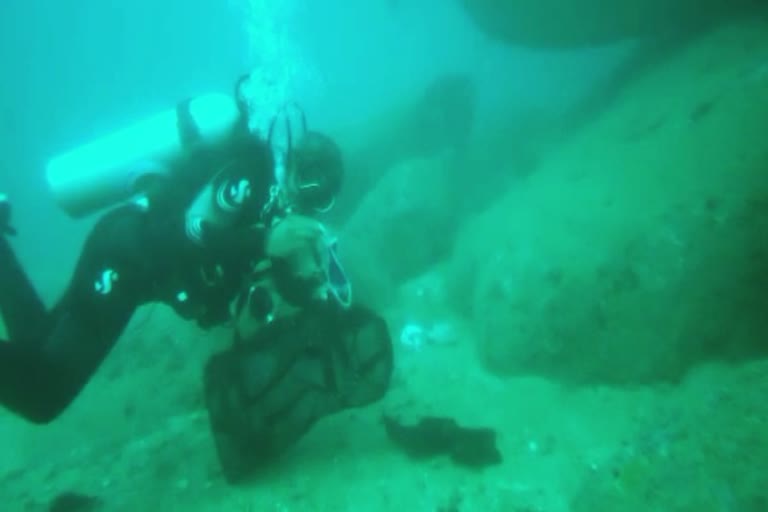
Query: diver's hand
point(297, 240)
point(5, 216)
point(297, 249)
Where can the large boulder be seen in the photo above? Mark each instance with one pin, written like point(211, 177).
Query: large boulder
point(438, 118)
point(405, 225)
point(572, 23)
point(638, 248)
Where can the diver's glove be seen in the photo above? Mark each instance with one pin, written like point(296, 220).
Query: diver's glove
point(304, 262)
point(5, 216)
point(294, 247)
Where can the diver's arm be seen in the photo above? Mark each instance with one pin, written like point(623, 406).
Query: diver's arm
point(39, 377)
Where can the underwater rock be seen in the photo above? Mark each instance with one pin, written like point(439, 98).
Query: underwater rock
point(575, 23)
point(626, 261)
point(440, 118)
point(404, 225)
point(590, 307)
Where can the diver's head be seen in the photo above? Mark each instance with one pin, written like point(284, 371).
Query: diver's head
point(314, 173)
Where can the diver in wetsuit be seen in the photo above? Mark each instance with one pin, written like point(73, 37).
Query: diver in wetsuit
point(190, 242)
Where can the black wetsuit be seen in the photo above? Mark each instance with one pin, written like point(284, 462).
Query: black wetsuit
point(131, 257)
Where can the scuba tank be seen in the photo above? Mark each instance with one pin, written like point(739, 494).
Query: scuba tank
point(122, 164)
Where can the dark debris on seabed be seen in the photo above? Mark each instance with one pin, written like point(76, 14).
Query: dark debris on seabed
point(75, 502)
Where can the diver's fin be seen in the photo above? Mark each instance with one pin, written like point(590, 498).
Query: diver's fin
point(24, 312)
point(5, 216)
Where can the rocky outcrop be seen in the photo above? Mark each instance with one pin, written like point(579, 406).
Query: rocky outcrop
point(404, 226)
point(578, 23)
point(638, 248)
point(439, 119)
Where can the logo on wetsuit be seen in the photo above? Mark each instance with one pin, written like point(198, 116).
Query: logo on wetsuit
point(105, 282)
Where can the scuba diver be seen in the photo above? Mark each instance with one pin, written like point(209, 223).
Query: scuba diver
point(200, 204)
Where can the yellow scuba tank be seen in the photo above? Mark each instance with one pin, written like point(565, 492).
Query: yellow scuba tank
point(116, 167)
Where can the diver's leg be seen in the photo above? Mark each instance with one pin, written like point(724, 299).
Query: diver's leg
point(39, 380)
point(39, 383)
